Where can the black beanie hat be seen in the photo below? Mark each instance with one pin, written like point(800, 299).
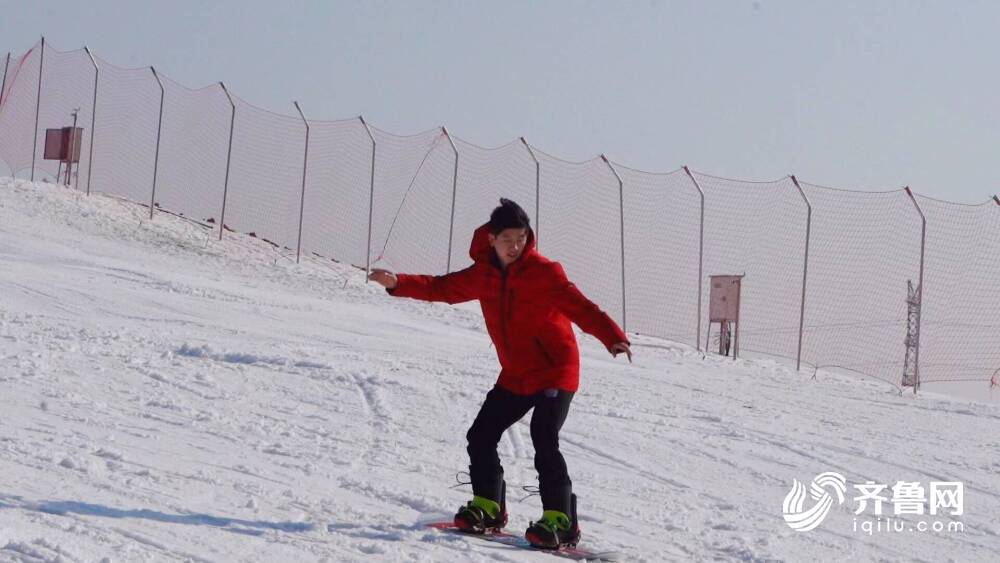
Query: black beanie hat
point(508, 215)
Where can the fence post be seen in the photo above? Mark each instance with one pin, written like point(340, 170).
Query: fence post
point(156, 157)
point(93, 118)
point(371, 201)
point(805, 270)
point(454, 192)
point(920, 290)
point(701, 255)
point(38, 101)
point(229, 158)
point(3, 85)
point(72, 150)
point(621, 223)
point(302, 201)
point(538, 191)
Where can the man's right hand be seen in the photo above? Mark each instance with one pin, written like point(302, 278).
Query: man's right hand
point(385, 278)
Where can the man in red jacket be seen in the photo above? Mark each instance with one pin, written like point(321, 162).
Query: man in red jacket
point(528, 304)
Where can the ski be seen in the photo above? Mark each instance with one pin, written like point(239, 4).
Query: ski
point(519, 542)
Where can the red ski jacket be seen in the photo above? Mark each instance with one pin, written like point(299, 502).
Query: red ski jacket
point(528, 309)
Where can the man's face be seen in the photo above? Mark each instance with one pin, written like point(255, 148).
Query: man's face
point(509, 244)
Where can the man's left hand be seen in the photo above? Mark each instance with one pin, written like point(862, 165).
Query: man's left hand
point(622, 347)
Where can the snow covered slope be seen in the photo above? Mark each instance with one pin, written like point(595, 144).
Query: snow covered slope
point(169, 397)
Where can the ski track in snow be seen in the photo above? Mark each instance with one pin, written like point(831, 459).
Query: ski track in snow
point(171, 397)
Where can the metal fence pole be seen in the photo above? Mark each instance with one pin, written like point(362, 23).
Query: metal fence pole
point(156, 157)
point(701, 256)
point(93, 119)
point(72, 151)
point(3, 85)
point(538, 190)
point(805, 270)
point(454, 193)
point(229, 158)
point(621, 214)
point(371, 201)
point(920, 290)
point(302, 201)
point(38, 102)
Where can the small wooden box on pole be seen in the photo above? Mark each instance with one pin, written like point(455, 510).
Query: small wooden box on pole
point(63, 144)
point(724, 308)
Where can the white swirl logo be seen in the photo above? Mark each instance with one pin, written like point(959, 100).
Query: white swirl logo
point(803, 521)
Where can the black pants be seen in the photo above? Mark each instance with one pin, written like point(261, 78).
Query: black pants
point(500, 410)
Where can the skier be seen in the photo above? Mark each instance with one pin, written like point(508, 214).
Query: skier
point(528, 304)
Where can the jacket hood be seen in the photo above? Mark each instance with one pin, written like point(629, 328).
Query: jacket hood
point(480, 249)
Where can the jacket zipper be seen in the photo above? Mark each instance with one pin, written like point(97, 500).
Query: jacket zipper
point(548, 358)
point(503, 308)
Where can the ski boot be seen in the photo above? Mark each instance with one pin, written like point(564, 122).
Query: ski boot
point(555, 529)
point(482, 515)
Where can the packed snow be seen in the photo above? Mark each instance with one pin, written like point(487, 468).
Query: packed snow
point(171, 397)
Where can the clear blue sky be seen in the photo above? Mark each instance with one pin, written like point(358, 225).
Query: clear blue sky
point(854, 94)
